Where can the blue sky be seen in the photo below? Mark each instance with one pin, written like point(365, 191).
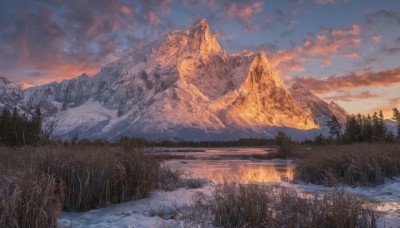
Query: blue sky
point(347, 51)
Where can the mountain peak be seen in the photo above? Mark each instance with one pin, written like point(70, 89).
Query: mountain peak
point(299, 86)
point(262, 71)
point(262, 54)
point(201, 38)
point(201, 23)
point(4, 80)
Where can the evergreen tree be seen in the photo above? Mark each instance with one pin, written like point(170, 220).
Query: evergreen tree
point(4, 125)
point(367, 128)
point(335, 129)
point(19, 130)
point(282, 139)
point(382, 123)
point(396, 117)
point(352, 129)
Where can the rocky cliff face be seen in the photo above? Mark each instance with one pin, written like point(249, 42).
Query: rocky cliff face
point(180, 85)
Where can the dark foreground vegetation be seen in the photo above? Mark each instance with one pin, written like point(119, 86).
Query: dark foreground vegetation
point(36, 183)
point(233, 205)
point(354, 164)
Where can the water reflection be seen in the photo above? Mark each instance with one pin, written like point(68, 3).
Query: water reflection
point(243, 171)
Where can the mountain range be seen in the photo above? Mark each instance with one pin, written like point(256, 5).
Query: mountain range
point(182, 85)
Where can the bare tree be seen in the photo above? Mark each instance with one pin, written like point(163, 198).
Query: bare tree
point(48, 125)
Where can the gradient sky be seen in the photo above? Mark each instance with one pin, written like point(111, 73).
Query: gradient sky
point(347, 51)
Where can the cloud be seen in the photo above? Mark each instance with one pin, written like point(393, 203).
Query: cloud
point(348, 96)
point(287, 59)
point(321, 2)
point(62, 39)
point(391, 50)
point(376, 39)
point(385, 78)
point(244, 13)
point(395, 101)
point(209, 4)
point(380, 15)
point(332, 41)
point(323, 47)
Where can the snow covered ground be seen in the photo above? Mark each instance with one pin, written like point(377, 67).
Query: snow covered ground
point(159, 210)
point(156, 211)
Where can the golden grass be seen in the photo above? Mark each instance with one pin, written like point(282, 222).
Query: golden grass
point(253, 205)
point(92, 176)
point(30, 200)
point(97, 176)
point(355, 164)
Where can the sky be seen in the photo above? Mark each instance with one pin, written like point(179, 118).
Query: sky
point(346, 51)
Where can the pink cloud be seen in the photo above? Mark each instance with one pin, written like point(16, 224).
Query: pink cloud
point(376, 39)
point(210, 4)
point(385, 78)
point(352, 55)
point(287, 60)
point(349, 96)
point(333, 41)
point(244, 13)
point(153, 18)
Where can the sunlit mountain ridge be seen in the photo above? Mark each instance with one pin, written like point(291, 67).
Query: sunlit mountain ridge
point(180, 86)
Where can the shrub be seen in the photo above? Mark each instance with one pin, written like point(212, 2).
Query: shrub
point(30, 200)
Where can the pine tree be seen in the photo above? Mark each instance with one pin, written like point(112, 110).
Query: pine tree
point(396, 117)
point(19, 130)
point(4, 125)
point(335, 129)
point(367, 128)
point(382, 125)
point(352, 129)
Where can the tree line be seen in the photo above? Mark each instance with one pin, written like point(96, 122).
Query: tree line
point(364, 128)
point(17, 130)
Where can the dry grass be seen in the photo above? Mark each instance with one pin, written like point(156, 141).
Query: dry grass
point(356, 164)
point(30, 200)
point(97, 176)
point(260, 206)
point(169, 180)
point(94, 176)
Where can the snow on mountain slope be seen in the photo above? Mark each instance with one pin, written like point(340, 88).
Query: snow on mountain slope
point(181, 85)
point(10, 93)
point(264, 100)
point(321, 110)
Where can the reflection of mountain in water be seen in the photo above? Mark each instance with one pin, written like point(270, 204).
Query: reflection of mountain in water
point(243, 171)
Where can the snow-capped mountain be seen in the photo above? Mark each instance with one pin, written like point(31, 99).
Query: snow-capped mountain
point(10, 93)
point(182, 85)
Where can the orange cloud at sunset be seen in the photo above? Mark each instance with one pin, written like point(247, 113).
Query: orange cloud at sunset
point(385, 78)
point(331, 41)
point(349, 96)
